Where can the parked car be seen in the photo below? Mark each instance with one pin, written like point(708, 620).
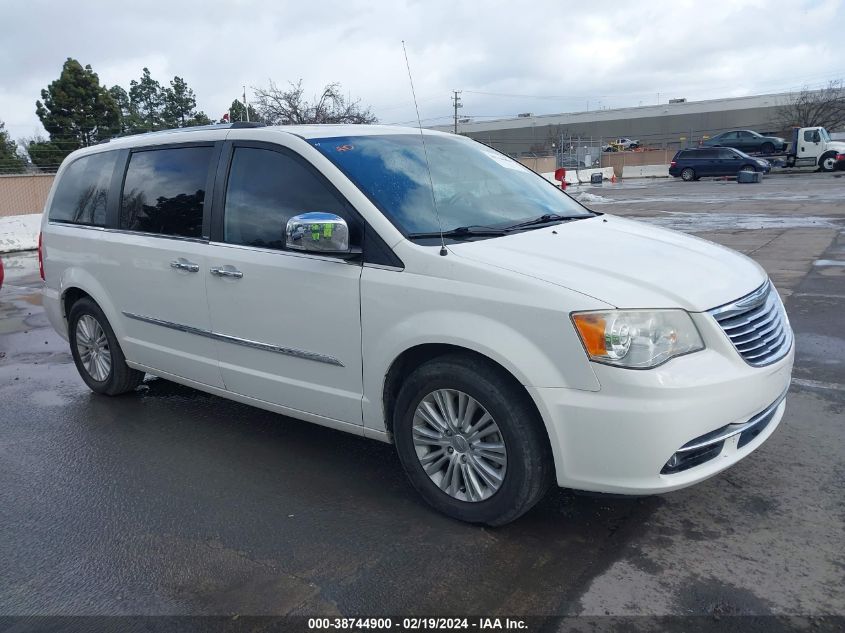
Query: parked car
point(747, 141)
point(441, 297)
point(620, 144)
point(692, 164)
point(839, 165)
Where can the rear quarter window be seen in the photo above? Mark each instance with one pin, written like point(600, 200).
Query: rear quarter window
point(83, 190)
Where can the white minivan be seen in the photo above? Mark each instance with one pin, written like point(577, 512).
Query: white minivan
point(418, 288)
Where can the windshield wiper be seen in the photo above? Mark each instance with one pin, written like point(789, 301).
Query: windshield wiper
point(463, 231)
point(546, 218)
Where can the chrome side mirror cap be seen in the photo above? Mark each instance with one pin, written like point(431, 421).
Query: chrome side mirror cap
point(318, 232)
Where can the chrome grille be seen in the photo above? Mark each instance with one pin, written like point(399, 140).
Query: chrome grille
point(757, 326)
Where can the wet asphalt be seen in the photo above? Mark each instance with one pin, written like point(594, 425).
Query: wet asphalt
point(172, 501)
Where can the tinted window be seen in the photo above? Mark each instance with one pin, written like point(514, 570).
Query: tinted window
point(81, 194)
point(164, 191)
point(266, 189)
point(728, 154)
point(728, 136)
point(704, 153)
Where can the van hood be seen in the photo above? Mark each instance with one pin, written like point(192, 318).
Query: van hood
point(624, 263)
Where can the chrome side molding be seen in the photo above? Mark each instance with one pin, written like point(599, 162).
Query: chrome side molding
point(267, 347)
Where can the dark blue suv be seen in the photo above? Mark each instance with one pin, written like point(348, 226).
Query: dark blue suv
point(692, 164)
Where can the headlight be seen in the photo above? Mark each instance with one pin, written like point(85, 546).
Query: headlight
point(637, 338)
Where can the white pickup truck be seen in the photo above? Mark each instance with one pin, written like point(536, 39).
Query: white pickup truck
point(812, 146)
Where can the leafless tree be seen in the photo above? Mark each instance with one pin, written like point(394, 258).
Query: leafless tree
point(279, 106)
point(808, 108)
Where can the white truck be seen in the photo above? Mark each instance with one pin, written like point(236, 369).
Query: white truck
point(811, 147)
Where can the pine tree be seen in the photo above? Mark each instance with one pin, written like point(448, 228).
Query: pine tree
point(147, 99)
point(76, 110)
point(11, 162)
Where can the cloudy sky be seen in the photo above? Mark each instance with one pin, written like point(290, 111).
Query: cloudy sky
point(507, 56)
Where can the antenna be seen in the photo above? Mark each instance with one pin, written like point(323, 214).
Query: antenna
point(443, 250)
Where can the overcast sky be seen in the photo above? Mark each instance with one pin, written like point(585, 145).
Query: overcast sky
point(507, 56)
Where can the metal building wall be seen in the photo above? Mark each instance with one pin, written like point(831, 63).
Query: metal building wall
point(667, 130)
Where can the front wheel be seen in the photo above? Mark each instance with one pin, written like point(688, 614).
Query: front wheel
point(828, 161)
point(749, 169)
point(96, 352)
point(470, 441)
point(768, 148)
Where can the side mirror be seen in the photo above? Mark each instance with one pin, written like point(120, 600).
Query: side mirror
point(317, 232)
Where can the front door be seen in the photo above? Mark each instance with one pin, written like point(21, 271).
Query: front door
point(287, 324)
point(809, 143)
point(728, 163)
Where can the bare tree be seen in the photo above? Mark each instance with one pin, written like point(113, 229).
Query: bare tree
point(278, 106)
point(825, 108)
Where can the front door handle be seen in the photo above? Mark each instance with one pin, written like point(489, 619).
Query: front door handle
point(226, 271)
point(183, 264)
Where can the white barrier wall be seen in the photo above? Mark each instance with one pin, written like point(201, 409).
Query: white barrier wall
point(581, 176)
point(645, 171)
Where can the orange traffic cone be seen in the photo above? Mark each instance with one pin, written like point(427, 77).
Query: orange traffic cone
point(613, 179)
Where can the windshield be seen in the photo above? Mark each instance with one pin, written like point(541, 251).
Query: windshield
point(473, 184)
point(825, 136)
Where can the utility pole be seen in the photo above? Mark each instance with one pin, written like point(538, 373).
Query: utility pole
point(456, 101)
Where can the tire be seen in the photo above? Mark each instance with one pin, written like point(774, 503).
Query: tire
point(767, 148)
point(515, 430)
point(687, 174)
point(91, 338)
point(827, 161)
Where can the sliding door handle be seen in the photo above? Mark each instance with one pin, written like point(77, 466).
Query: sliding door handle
point(226, 271)
point(183, 264)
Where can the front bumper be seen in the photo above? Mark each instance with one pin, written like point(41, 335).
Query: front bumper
point(620, 439)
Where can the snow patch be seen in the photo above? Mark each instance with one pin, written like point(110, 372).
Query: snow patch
point(585, 196)
point(19, 232)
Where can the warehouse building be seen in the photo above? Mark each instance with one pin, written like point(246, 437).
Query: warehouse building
point(672, 125)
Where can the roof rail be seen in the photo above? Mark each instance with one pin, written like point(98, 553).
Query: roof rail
point(197, 128)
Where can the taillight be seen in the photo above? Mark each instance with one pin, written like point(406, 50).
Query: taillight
point(840, 157)
point(673, 163)
point(41, 255)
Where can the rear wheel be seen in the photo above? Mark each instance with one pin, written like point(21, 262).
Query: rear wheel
point(688, 174)
point(96, 352)
point(827, 162)
point(470, 441)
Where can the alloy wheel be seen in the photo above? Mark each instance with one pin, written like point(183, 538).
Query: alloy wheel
point(93, 347)
point(459, 445)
